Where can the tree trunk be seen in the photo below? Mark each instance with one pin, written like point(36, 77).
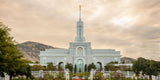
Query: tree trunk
point(27, 77)
point(10, 77)
point(150, 77)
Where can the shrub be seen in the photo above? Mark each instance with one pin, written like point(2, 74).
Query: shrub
point(99, 75)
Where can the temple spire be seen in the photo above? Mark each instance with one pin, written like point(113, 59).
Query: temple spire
point(80, 37)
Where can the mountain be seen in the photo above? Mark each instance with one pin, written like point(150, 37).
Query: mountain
point(127, 60)
point(31, 50)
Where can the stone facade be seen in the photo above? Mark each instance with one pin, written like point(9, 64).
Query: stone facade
point(71, 55)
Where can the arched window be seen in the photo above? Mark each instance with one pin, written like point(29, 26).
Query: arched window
point(61, 66)
point(80, 51)
point(99, 66)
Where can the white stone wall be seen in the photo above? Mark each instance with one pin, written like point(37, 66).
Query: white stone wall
point(69, 55)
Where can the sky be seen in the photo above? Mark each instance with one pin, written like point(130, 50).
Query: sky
point(129, 26)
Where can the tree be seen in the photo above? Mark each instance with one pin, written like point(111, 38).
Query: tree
point(146, 66)
point(10, 55)
point(28, 72)
point(113, 62)
point(50, 67)
point(139, 65)
point(75, 68)
point(91, 66)
point(37, 62)
point(24, 68)
point(69, 66)
point(110, 67)
point(158, 66)
point(123, 62)
point(85, 67)
point(151, 68)
point(101, 67)
point(37, 67)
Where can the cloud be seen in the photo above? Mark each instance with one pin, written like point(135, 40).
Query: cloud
point(53, 22)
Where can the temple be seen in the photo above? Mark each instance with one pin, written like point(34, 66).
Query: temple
point(79, 53)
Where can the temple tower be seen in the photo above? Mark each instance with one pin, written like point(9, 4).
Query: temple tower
point(80, 37)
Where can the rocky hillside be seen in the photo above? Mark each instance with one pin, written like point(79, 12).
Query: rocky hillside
point(31, 50)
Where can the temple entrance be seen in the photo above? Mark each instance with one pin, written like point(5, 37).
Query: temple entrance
point(99, 66)
point(80, 65)
point(61, 66)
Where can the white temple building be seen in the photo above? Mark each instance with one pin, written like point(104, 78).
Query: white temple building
point(79, 53)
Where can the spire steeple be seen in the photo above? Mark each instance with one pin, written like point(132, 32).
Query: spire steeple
point(80, 37)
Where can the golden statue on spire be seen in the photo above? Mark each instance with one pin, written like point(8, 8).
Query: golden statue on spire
point(80, 7)
point(80, 12)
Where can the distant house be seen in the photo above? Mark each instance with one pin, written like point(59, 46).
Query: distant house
point(127, 60)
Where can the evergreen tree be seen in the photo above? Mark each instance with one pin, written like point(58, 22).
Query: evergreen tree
point(75, 68)
point(69, 66)
point(85, 67)
point(91, 66)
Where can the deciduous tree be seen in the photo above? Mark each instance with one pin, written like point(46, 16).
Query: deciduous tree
point(110, 67)
point(37, 67)
point(50, 67)
point(10, 55)
point(139, 66)
point(151, 68)
point(146, 66)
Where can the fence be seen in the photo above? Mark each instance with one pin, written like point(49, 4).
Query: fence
point(127, 74)
point(131, 74)
point(41, 73)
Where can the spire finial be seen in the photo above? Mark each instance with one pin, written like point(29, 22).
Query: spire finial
point(79, 12)
point(79, 7)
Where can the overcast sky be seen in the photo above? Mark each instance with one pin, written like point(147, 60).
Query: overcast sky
point(130, 26)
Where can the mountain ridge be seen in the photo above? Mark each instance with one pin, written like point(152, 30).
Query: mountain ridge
point(31, 50)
